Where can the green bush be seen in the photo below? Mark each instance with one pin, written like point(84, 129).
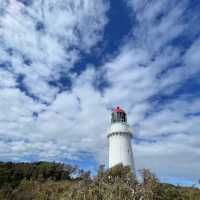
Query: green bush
point(54, 181)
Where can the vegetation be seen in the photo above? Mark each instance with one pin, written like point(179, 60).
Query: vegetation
point(55, 181)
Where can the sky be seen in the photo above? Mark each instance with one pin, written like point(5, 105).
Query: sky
point(65, 64)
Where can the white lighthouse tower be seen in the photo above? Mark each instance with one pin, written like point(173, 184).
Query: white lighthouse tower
point(119, 136)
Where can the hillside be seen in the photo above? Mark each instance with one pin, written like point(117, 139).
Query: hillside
point(52, 181)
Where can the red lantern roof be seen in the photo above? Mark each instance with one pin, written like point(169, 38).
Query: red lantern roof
point(117, 109)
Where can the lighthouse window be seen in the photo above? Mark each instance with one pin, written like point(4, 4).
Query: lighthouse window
point(118, 117)
point(123, 118)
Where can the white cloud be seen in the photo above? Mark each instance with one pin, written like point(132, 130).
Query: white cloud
point(175, 156)
point(7, 79)
point(192, 57)
point(49, 34)
point(66, 27)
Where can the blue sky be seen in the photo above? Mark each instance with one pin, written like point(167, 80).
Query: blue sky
point(64, 64)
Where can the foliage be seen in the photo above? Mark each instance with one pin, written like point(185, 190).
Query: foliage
point(14, 173)
point(54, 181)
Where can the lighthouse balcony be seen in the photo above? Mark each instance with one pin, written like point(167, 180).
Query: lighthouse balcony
point(122, 128)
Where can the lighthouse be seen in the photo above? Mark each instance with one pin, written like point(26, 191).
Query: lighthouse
point(119, 137)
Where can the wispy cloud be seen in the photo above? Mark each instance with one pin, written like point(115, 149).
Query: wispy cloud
point(42, 39)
